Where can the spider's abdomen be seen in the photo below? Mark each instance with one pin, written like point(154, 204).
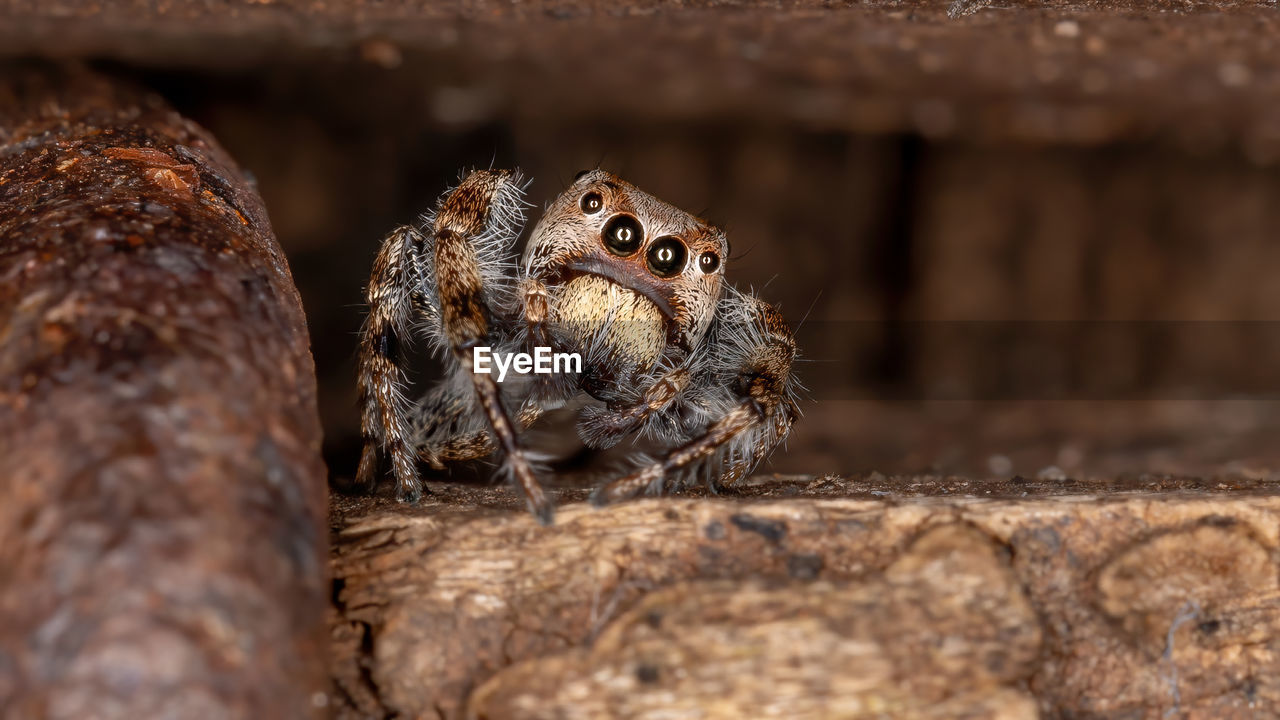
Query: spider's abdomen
point(605, 320)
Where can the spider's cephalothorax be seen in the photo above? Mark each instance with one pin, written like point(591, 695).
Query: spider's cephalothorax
point(633, 286)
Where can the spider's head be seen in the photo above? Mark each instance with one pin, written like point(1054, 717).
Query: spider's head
point(628, 271)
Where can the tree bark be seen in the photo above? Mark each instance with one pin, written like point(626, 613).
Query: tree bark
point(161, 531)
point(1111, 605)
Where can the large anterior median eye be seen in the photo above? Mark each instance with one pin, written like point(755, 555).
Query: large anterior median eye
point(623, 235)
point(666, 257)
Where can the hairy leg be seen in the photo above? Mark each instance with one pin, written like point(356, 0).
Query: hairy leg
point(758, 350)
point(533, 295)
point(392, 297)
point(465, 215)
point(465, 447)
point(445, 429)
point(461, 256)
point(604, 427)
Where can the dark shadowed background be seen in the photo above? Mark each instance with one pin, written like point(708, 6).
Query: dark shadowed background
point(1032, 245)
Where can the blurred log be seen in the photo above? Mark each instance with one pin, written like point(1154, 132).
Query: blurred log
point(161, 522)
point(1192, 76)
point(1135, 606)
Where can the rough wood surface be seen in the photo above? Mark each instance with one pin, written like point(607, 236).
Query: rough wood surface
point(161, 505)
point(945, 631)
point(1117, 604)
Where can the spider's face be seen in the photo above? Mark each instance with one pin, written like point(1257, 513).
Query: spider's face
point(627, 270)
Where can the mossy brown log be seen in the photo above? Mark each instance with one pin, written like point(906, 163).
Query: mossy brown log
point(161, 506)
point(1109, 605)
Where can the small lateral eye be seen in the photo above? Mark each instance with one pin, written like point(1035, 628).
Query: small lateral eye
point(666, 257)
point(591, 203)
point(708, 262)
point(622, 236)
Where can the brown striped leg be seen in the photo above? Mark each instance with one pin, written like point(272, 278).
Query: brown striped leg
point(764, 384)
point(384, 416)
point(605, 427)
point(534, 295)
point(438, 451)
point(465, 316)
point(722, 431)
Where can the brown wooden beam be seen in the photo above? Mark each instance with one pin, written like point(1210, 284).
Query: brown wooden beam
point(1110, 605)
point(162, 497)
point(1191, 75)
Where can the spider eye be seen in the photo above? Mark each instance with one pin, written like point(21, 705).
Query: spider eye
point(666, 257)
point(708, 262)
point(623, 235)
point(591, 203)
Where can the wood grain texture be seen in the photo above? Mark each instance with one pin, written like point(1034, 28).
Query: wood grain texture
point(1116, 605)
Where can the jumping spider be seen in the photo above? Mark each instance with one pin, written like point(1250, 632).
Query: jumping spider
point(633, 285)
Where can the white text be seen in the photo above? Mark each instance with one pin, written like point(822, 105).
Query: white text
point(541, 362)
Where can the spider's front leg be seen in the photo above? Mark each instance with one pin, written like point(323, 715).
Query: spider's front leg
point(751, 351)
point(451, 274)
point(466, 215)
